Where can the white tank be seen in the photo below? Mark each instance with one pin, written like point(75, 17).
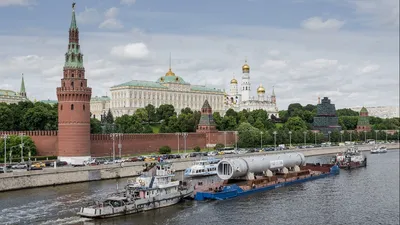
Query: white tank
point(239, 167)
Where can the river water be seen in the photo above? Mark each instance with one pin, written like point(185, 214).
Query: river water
point(364, 196)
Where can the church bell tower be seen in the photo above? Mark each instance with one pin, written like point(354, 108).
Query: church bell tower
point(73, 102)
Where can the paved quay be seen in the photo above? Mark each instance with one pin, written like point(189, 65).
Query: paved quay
point(66, 175)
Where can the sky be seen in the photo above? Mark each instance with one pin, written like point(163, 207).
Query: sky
point(347, 50)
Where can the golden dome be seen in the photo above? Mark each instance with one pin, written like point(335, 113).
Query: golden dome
point(260, 89)
point(170, 73)
point(245, 66)
point(234, 81)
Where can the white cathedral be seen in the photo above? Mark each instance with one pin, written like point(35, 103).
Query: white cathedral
point(243, 100)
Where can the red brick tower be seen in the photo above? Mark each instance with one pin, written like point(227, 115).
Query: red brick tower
point(73, 102)
point(207, 123)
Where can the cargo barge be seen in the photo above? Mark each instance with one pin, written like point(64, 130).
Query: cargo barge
point(244, 176)
point(350, 159)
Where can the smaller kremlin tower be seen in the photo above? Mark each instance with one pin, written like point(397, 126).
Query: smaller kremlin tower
point(363, 121)
point(207, 123)
point(22, 91)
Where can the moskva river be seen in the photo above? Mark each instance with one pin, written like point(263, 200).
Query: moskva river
point(364, 196)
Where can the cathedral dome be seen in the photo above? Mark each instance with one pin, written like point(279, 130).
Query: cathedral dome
point(260, 89)
point(245, 67)
point(170, 73)
point(234, 81)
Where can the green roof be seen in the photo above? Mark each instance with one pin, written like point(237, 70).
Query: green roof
point(8, 93)
point(363, 110)
point(22, 89)
point(73, 20)
point(141, 83)
point(171, 79)
point(101, 98)
point(205, 89)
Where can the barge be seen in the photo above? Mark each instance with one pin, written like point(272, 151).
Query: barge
point(350, 159)
point(244, 176)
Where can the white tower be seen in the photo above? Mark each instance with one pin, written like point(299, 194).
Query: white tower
point(233, 87)
point(261, 93)
point(245, 82)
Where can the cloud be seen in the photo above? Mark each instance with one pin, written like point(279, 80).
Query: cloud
point(369, 69)
point(274, 64)
point(316, 24)
point(88, 16)
point(4, 3)
point(378, 12)
point(128, 2)
point(130, 51)
point(111, 22)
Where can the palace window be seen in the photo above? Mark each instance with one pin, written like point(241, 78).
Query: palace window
point(72, 106)
point(81, 84)
point(72, 75)
point(84, 107)
point(72, 84)
point(61, 107)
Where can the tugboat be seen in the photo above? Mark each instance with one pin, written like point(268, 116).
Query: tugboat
point(203, 168)
point(248, 175)
point(350, 159)
point(381, 149)
point(145, 193)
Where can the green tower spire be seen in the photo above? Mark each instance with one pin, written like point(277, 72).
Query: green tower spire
point(73, 21)
point(22, 91)
point(73, 57)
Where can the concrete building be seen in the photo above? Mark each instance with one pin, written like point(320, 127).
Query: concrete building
point(9, 96)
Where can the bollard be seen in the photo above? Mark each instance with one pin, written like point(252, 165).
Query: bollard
point(55, 165)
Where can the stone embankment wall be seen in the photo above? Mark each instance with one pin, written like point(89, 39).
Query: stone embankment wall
point(50, 176)
point(102, 144)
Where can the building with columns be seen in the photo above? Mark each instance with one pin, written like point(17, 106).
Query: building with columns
point(9, 96)
point(239, 101)
point(73, 102)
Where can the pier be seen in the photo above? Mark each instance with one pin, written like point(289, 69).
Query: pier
point(67, 175)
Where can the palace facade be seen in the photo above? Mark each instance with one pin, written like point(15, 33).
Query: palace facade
point(9, 96)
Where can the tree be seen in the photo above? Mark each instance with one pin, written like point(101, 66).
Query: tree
point(348, 122)
point(293, 107)
point(259, 124)
point(13, 146)
point(295, 123)
point(6, 118)
point(109, 117)
point(151, 113)
point(229, 123)
point(346, 112)
point(164, 150)
point(249, 136)
point(218, 120)
point(95, 126)
point(142, 115)
point(219, 146)
point(197, 149)
point(164, 112)
point(40, 118)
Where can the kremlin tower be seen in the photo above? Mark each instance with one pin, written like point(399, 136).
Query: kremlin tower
point(73, 102)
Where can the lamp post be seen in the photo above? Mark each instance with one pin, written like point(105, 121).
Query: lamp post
point(350, 136)
point(365, 136)
point(184, 138)
point(22, 146)
point(329, 135)
point(119, 135)
point(178, 134)
point(5, 136)
point(315, 137)
point(113, 145)
point(376, 136)
point(386, 136)
point(236, 134)
point(225, 138)
point(290, 138)
point(341, 136)
point(261, 134)
point(305, 138)
point(275, 139)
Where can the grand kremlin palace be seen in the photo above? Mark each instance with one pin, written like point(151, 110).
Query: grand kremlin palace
point(127, 97)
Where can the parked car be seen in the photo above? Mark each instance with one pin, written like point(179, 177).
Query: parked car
point(2, 170)
point(19, 166)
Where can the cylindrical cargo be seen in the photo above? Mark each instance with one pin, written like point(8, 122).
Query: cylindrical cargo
point(239, 167)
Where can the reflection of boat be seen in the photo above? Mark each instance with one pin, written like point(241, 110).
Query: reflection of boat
point(145, 193)
point(248, 175)
point(381, 149)
point(203, 168)
point(350, 159)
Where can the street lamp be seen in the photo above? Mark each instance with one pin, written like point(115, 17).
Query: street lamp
point(22, 146)
point(290, 138)
point(341, 136)
point(305, 138)
point(5, 136)
point(386, 135)
point(225, 138)
point(261, 134)
point(113, 135)
point(376, 135)
point(275, 139)
point(365, 136)
point(315, 137)
point(236, 133)
point(184, 138)
point(329, 135)
point(178, 134)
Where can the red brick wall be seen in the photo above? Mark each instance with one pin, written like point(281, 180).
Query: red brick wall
point(101, 144)
point(45, 141)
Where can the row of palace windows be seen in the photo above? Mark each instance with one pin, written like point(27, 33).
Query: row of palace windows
point(72, 107)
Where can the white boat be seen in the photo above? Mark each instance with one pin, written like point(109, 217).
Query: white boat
point(201, 168)
point(144, 193)
point(381, 149)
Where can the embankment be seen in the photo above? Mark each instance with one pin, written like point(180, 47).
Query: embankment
point(59, 176)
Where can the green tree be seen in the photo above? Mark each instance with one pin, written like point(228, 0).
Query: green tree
point(164, 112)
point(219, 146)
point(151, 113)
point(218, 120)
point(293, 107)
point(229, 123)
point(295, 123)
point(249, 136)
point(95, 126)
point(259, 124)
point(346, 112)
point(109, 117)
point(142, 115)
point(348, 122)
point(40, 118)
point(6, 118)
point(197, 149)
point(164, 150)
point(14, 146)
